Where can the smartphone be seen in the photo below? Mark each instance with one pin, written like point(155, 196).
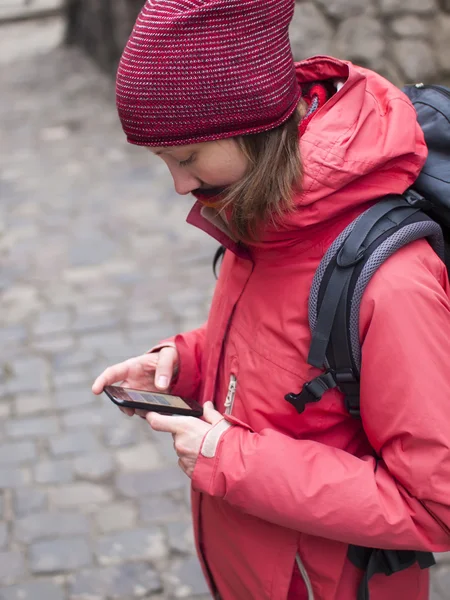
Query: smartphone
point(153, 401)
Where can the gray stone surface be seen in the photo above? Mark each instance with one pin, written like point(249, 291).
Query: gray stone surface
point(415, 59)
point(138, 544)
point(12, 567)
point(97, 265)
point(135, 580)
point(50, 524)
point(53, 471)
point(135, 485)
point(116, 517)
point(29, 500)
point(77, 494)
point(94, 467)
point(36, 590)
point(3, 535)
point(310, 31)
point(75, 442)
point(19, 452)
point(62, 554)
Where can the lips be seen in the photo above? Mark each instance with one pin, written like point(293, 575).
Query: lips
point(209, 197)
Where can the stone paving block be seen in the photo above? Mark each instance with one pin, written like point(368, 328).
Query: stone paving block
point(72, 378)
point(3, 535)
point(5, 407)
point(73, 398)
point(48, 525)
point(12, 335)
point(92, 416)
point(104, 341)
point(62, 554)
point(116, 517)
point(137, 544)
point(32, 427)
point(51, 322)
point(95, 467)
point(121, 435)
point(185, 578)
point(33, 590)
point(75, 442)
point(14, 477)
point(181, 536)
point(133, 580)
point(55, 344)
point(28, 375)
point(74, 358)
point(95, 321)
point(158, 509)
point(29, 404)
point(441, 580)
point(29, 500)
point(12, 567)
point(79, 494)
point(442, 558)
point(53, 471)
point(17, 452)
point(143, 457)
point(137, 484)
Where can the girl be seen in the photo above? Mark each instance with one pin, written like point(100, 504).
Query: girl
point(281, 158)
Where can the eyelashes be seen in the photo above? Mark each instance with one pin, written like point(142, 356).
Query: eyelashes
point(188, 161)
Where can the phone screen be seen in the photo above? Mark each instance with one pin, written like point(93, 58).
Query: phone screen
point(155, 398)
point(143, 397)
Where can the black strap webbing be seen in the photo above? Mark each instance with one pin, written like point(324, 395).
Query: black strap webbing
point(387, 562)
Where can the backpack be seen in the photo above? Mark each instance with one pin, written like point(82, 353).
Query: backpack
point(346, 269)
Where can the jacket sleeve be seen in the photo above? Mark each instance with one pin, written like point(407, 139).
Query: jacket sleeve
point(188, 377)
point(401, 500)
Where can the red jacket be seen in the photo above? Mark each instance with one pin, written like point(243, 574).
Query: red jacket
point(271, 484)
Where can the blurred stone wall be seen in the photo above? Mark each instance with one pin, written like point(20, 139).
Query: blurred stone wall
point(405, 40)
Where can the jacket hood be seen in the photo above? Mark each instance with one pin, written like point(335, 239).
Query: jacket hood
point(364, 143)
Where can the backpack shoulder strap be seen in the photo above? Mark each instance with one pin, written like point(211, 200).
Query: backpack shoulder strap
point(339, 284)
point(334, 304)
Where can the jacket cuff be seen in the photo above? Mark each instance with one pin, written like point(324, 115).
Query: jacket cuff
point(206, 477)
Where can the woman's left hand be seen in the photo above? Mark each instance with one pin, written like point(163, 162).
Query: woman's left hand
point(187, 433)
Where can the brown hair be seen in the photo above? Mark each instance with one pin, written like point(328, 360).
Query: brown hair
point(275, 171)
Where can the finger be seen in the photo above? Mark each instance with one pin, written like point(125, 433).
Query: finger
point(111, 375)
point(168, 423)
point(127, 411)
point(167, 358)
point(210, 414)
point(142, 413)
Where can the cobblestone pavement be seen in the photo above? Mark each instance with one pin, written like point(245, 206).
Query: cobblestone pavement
point(25, 9)
point(97, 264)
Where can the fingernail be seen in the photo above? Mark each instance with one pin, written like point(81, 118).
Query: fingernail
point(163, 381)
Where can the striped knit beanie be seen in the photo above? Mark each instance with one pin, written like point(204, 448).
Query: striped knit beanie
point(201, 70)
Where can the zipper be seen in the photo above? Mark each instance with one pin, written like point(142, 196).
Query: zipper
point(305, 577)
point(439, 88)
point(229, 400)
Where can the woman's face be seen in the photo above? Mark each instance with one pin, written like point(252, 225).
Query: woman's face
point(204, 169)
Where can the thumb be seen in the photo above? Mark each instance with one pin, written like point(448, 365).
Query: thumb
point(167, 358)
point(210, 414)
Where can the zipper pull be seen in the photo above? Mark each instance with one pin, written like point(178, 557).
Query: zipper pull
point(230, 394)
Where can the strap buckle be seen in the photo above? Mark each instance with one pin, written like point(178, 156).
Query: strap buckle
point(312, 391)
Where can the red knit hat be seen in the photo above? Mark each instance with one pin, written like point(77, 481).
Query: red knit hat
point(200, 70)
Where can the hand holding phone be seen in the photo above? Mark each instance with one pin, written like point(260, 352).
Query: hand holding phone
point(151, 372)
point(166, 404)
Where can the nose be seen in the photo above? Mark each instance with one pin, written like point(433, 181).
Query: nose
point(183, 181)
